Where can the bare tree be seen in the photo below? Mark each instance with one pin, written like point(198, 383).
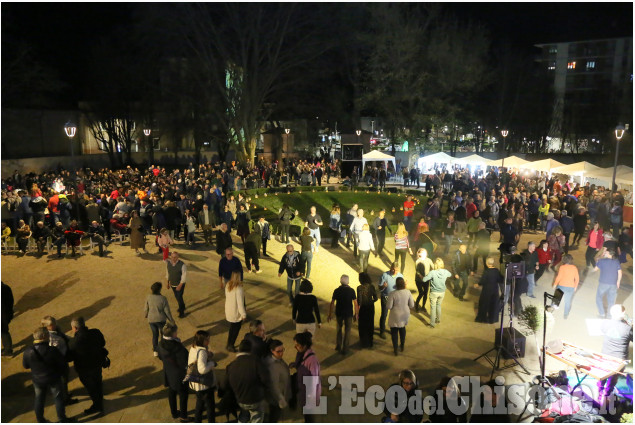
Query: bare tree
point(251, 53)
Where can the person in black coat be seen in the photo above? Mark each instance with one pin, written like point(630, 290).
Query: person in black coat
point(174, 356)
point(88, 353)
point(223, 239)
point(488, 303)
point(257, 338)
point(47, 366)
point(7, 316)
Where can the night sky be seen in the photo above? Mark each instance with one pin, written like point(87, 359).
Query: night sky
point(61, 33)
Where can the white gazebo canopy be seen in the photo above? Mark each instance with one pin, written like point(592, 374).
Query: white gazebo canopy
point(624, 174)
point(545, 165)
point(577, 169)
point(380, 157)
point(435, 158)
point(471, 159)
point(510, 162)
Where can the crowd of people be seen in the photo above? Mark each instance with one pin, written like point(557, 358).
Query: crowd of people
point(444, 238)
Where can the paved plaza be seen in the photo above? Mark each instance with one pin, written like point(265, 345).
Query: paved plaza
point(110, 293)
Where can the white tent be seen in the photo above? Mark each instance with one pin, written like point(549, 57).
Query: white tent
point(510, 162)
point(577, 169)
point(427, 162)
point(378, 156)
point(471, 159)
point(624, 174)
point(545, 165)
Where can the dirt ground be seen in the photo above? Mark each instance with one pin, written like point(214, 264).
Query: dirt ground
point(110, 293)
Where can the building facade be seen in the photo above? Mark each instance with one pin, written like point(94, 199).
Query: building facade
point(593, 87)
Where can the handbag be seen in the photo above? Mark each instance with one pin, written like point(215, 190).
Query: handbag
point(193, 375)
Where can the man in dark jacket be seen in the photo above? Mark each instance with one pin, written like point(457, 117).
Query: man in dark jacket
point(47, 365)
point(462, 267)
point(566, 222)
point(247, 377)
point(174, 357)
point(532, 208)
point(257, 336)
point(294, 265)
point(59, 237)
point(7, 316)
point(41, 233)
point(97, 234)
point(88, 353)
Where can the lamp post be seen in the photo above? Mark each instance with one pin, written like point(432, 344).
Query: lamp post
point(147, 132)
point(70, 129)
point(504, 133)
point(619, 133)
point(287, 131)
point(358, 132)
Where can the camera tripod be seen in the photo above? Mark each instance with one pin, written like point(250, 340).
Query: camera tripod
point(500, 347)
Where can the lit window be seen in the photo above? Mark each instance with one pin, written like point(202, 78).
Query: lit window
point(571, 65)
point(553, 49)
point(551, 66)
point(590, 65)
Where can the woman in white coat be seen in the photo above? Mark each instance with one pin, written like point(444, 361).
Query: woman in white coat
point(399, 303)
point(364, 247)
point(204, 390)
point(235, 312)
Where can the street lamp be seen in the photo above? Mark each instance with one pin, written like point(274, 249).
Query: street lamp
point(70, 129)
point(504, 133)
point(358, 132)
point(619, 133)
point(287, 131)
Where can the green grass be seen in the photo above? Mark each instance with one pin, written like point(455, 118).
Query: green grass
point(369, 202)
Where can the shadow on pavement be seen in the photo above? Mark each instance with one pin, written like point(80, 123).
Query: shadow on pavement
point(42, 295)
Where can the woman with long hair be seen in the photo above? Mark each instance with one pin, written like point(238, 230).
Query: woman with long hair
point(305, 312)
point(423, 265)
point(437, 278)
point(422, 238)
point(235, 312)
point(594, 241)
point(402, 246)
point(366, 298)
point(201, 356)
point(399, 303)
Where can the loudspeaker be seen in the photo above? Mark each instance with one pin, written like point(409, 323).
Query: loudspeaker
point(513, 341)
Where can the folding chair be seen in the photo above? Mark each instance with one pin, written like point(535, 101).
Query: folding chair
point(9, 243)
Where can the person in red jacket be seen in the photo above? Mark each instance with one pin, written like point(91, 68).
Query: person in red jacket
point(544, 259)
point(73, 236)
point(594, 242)
point(470, 207)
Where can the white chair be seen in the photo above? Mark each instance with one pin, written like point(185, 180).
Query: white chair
point(9, 243)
